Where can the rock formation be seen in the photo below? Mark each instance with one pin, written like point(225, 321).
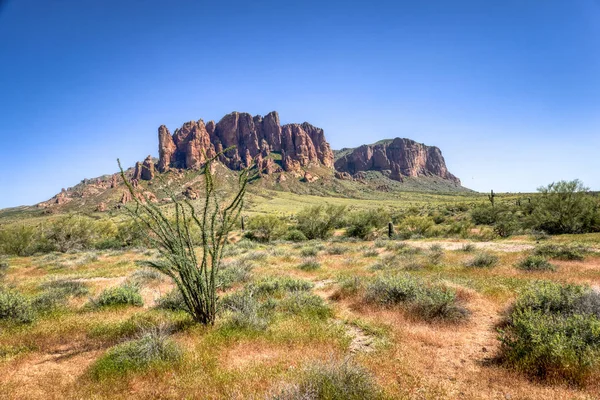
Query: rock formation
point(251, 141)
point(396, 158)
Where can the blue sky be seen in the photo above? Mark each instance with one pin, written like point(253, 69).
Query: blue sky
point(509, 90)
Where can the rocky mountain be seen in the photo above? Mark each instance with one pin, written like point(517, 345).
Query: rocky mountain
point(289, 157)
point(396, 158)
point(253, 140)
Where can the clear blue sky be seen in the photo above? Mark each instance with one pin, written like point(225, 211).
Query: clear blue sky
point(508, 89)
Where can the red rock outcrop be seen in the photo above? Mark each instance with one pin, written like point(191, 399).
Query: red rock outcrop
point(396, 158)
point(250, 140)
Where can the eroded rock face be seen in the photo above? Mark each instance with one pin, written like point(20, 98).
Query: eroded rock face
point(397, 158)
point(256, 141)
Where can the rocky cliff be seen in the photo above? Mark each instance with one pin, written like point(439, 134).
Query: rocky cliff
point(395, 158)
point(258, 140)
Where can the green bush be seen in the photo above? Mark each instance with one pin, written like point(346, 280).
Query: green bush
point(435, 254)
point(15, 307)
point(245, 311)
point(318, 222)
point(295, 235)
point(428, 302)
point(120, 295)
point(67, 286)
point(553, 332)
point(18, 240)
point(152, 348)
point(264, 228)
point(234, 272)
point(565, 207)
point(336, 250)
point(535, 263)
point(310, 264)
point(561, 252)
point(332, 381)
point(273, 286)
point(416, 226)
point(305, 304)
point(362, 223)
point(172, 301)
point(309, 251)
point(483, 260)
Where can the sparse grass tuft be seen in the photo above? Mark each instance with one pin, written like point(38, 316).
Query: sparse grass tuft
point(333, 380)
point(233, 272)
point(119, 296)
point(483, 260)
point(172, 301)
point(561, 251)
point(535, 263)
point(309, 251)
point(152, 348)
point(68, 287)
point(310, 264)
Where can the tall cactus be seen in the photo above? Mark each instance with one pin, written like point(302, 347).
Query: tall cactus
point(491, 197)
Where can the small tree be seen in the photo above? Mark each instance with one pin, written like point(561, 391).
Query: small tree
point(195, 276)
point(565, 207)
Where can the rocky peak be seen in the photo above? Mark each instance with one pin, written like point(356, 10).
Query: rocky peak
point(254, 138)
point(396, 158)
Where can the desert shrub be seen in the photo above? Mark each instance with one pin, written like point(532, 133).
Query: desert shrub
point(565, 207)
point(310, 264)
point(254, 256)
point(295, 235)
point(152, 348)
point(273, 286)
point(144, 276)
point(553, 331)
point(426, 301)
point(245, 311)
point(75, 232)
point(172, 301)
point(332, 381)
point(67, 286)
point(539, 235)
point(372, 252)
point(395, 245)
point(264, 228)
point(385, 261)
point(305, 304)
point(380, 243)
point(506, 225)
point(309, 251)
point(535, 263)
point(234, 272)
point(15, 307)
point(318, 222)
point(415, 226)
point(48, 301)
point(336, 250)
point(468, 248)
point(483, 260)
point(485, 214)
point(119, 295)
point(362, 223)
point(435, 254)
point(19, 240)
point(350, 285)
point(561, 251)
point(392, 290)
point(3, 268)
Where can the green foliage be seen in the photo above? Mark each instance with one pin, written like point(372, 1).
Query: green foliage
point(318, 222)
point(310, 264)
point(15, 307)
point(196, 276)
point(535, 263)
point(273, 286)
point(426, 301)
point(337, 249)
point(119, 295)
point(468, 248)
point(18, 240)
point(483, 260)
point(309, 251)
point(152, 349)
point(416, 226)
point(67, 286)
point(561, 251)
point(305, 304)
point(565, 207)
point(332, 381)
point(553, 332)
point(172, 301)
point(245, 311)
point(234, 272)
point(264, 228)
point(295, 235)
point(362, 223)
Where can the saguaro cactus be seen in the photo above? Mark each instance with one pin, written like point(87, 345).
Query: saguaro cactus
point(491, 197)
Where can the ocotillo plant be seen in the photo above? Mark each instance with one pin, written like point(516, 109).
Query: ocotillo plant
point(491, 197)
point(195, 276)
